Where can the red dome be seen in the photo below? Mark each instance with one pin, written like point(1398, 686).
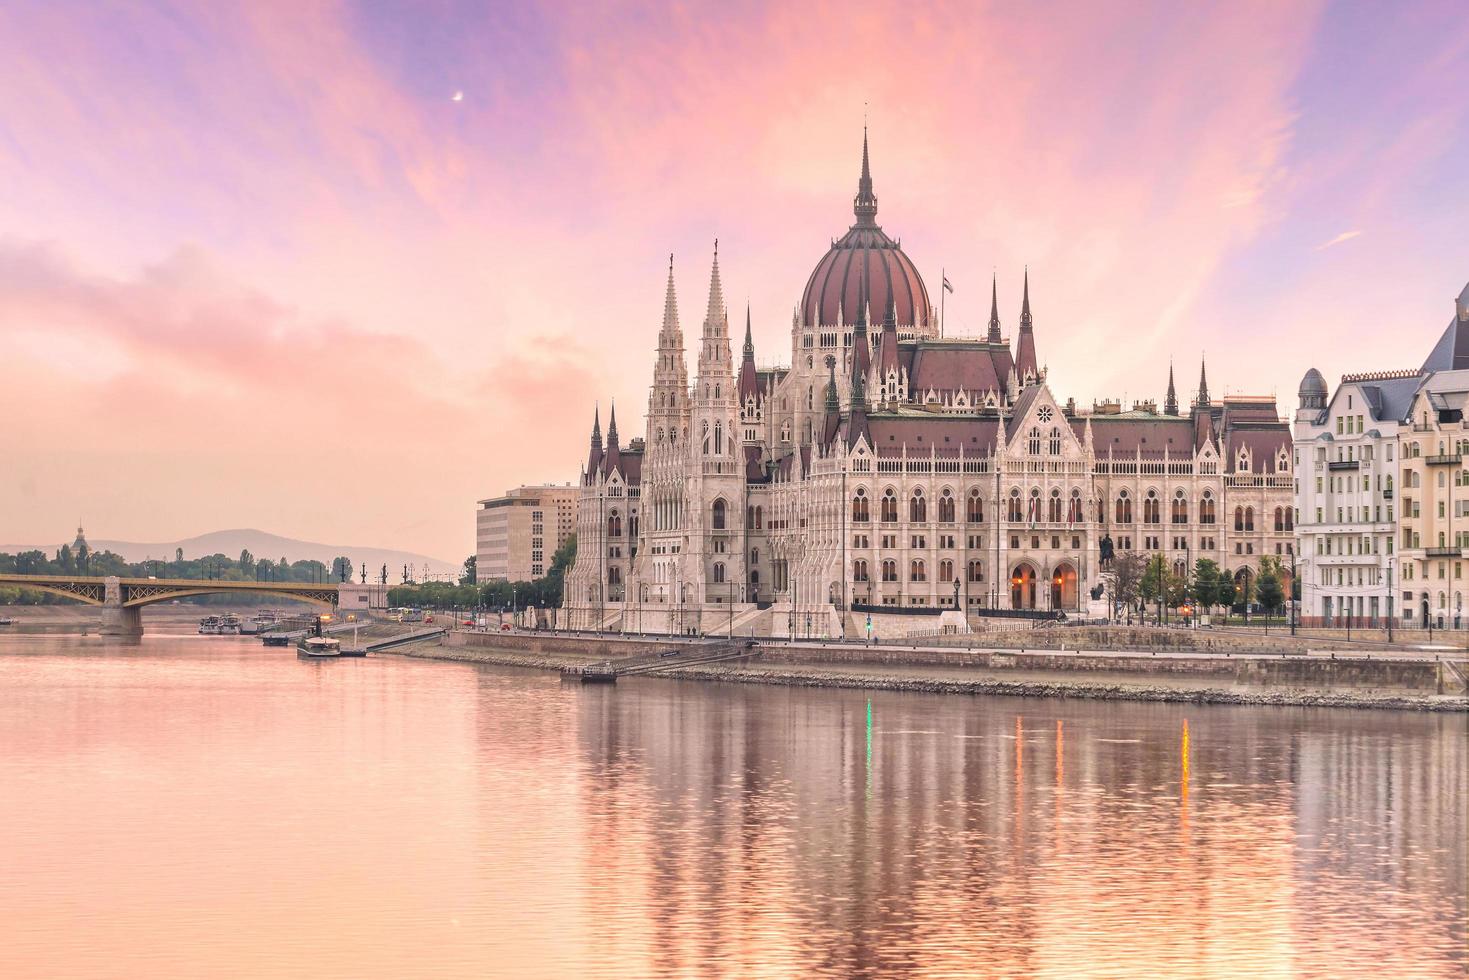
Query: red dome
point(865, 255)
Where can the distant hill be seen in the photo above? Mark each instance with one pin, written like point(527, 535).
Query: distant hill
point(263, 544)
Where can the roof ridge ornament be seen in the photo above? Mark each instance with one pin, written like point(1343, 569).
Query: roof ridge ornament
point(864, 205)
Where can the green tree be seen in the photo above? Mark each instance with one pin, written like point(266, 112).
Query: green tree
point(1268, 586)
point(1127, 576)
point(470, 573)
point(1206, 583)
point(341, 569)
point(1226, 594)
point(247, 563)
point(1154, 585)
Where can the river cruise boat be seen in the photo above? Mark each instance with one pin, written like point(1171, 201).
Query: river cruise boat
point(276, 640)
point(229, 625)
point(319, 646)
point(209, 626)
point(6, 621)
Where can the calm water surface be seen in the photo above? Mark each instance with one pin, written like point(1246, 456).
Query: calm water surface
point(199, 806)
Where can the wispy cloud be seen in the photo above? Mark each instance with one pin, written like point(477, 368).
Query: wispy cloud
point(1345, 236)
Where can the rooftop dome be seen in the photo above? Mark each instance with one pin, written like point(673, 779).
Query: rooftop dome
point(865, 255)
point(1313, 390)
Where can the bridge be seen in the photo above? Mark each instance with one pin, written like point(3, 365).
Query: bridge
point(122, 599)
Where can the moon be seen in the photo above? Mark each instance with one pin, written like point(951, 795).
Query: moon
point(457, 97)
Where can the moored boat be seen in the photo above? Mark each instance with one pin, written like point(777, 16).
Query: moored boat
point(229, 624)
point(319, 646)
point(6, 621)
point(209, 626)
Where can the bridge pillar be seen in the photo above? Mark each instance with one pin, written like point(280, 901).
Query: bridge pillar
point(117, 619)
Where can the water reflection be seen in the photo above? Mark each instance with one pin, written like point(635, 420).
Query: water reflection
point(198, 807)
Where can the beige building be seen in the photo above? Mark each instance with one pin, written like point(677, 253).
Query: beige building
point(516, 535)
point(889, 470)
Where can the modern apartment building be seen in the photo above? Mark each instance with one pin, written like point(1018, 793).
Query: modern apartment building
point(516, 535)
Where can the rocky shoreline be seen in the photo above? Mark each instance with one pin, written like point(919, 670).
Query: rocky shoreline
point(918, 681)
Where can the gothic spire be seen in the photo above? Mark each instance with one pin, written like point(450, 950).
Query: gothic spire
point(670, 305)
point(594, 458)
point(612, 428)
point(994, 336)
point(749, 344)
point(865, 203)
point(861, 347)
point(1170, 403)
point(715, 314)
point(1026, 364)
point(749, 383)
point(1203, 385)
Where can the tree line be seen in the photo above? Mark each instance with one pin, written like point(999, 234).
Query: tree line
point(542, 593)
point(1141, 580)
point(220, 567)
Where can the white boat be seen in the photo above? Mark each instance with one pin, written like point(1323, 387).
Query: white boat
point(319, 646)
point(209, 626)
point(6, 621)
point(229, 625)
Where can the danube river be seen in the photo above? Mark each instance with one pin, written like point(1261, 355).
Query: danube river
point(200, 806)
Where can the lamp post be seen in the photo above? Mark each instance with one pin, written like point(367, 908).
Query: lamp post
point(1389, 600)
point(1291, 598)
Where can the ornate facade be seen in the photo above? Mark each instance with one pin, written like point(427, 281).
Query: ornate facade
point(887, 468)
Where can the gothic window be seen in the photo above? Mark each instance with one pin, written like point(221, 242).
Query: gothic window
point(1074, 511)
point(759, 517)
point(889, 570)
point(614, 576)
point(917, 571)
point(1152, 508)
point(1290, 518)
point(917, 507)
point(632, 525)
point(718, 438)
point(719, 514)
point(1179, 509)
point(719, 573)
point(754, 556)
point(975, 512)
point(1055, 445)
point(1249, 518)
point(1124, 508)
point(1053, 507)
point(785, 431)
point(706, 438)
point(1035, 441)
point(1279, 519)
point(946, 507)
point(976, 571)
point(946, 570)
point(810, 398)
point(614, 525)
point(1013, 511)
point(860, 512)
point(889, 507)
point(1239, 518)
point(1207, 512)
point(859, 570)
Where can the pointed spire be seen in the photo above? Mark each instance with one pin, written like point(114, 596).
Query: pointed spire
point(594, 458)
point(613, 457)
point(994, 335)
point(1203, 398)
point(1026, 363)
point(833, 402)
point(749, 344)
point(865, 203)
point(715, 314)
point(1170, 403)
point(861, 348)
point(670, 304)
point(1025, 303)
point(749, 382)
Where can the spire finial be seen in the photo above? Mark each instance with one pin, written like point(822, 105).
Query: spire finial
point(749, 342)
point(994, 335)
point(865, 204)
point(1203, 384)
point(715, 314)
point(1025, 303)
point(1170, 403)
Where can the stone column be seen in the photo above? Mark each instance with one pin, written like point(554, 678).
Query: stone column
point(117, 619)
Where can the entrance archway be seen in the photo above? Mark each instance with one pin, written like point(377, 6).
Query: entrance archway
point(1022, 586)
point(1063, 586)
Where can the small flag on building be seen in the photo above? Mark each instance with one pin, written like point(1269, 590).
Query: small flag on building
point(948, 285)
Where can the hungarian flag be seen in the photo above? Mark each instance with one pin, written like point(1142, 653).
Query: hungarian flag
point(947, 285)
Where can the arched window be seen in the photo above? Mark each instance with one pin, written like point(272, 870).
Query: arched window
point(1033, 511)
point(975, 512)
point(719, 573)
point(1279, 519)
point(1014, 513)
point(1179, 513)
point(706, 438)
point(1207, 512)
point(946, 507)
point(718, 438)
point(860, 511)
point(759, 516)
point(1152, 508)
point(1290, 519)
point(1053, 507)
point(917, 507)
point(946, 570)
point(614, 525)
point(917, 571)
point(614, 576)
point(1249, 518)
point(719, 514)
point(859, 570)
point(889, 570)
point(1239, 518)
point(1055, 442)
point(976, 571)
point(1074, 509)
point(1035, 442)
point(1124, 508)
point(889, 506)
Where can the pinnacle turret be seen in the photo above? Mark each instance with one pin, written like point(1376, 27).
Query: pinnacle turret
point(714, 316)
point(864, 205)
point(1170, 403)
point(994, 334)
point(1026, 364)
point(1203, 398)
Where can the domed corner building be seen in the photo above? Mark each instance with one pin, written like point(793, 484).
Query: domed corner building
point(887, 480)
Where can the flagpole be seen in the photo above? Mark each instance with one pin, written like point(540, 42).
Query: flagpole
point(943, 295)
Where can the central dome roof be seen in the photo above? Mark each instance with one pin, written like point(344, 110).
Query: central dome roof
point(865, 257)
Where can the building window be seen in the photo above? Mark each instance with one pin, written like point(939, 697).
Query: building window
point(719, 509)
point(975, 512)
point(917, 571)
point(860, 512)
point(917, 508)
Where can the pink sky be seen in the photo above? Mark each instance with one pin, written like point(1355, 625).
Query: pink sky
point(230, 232)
